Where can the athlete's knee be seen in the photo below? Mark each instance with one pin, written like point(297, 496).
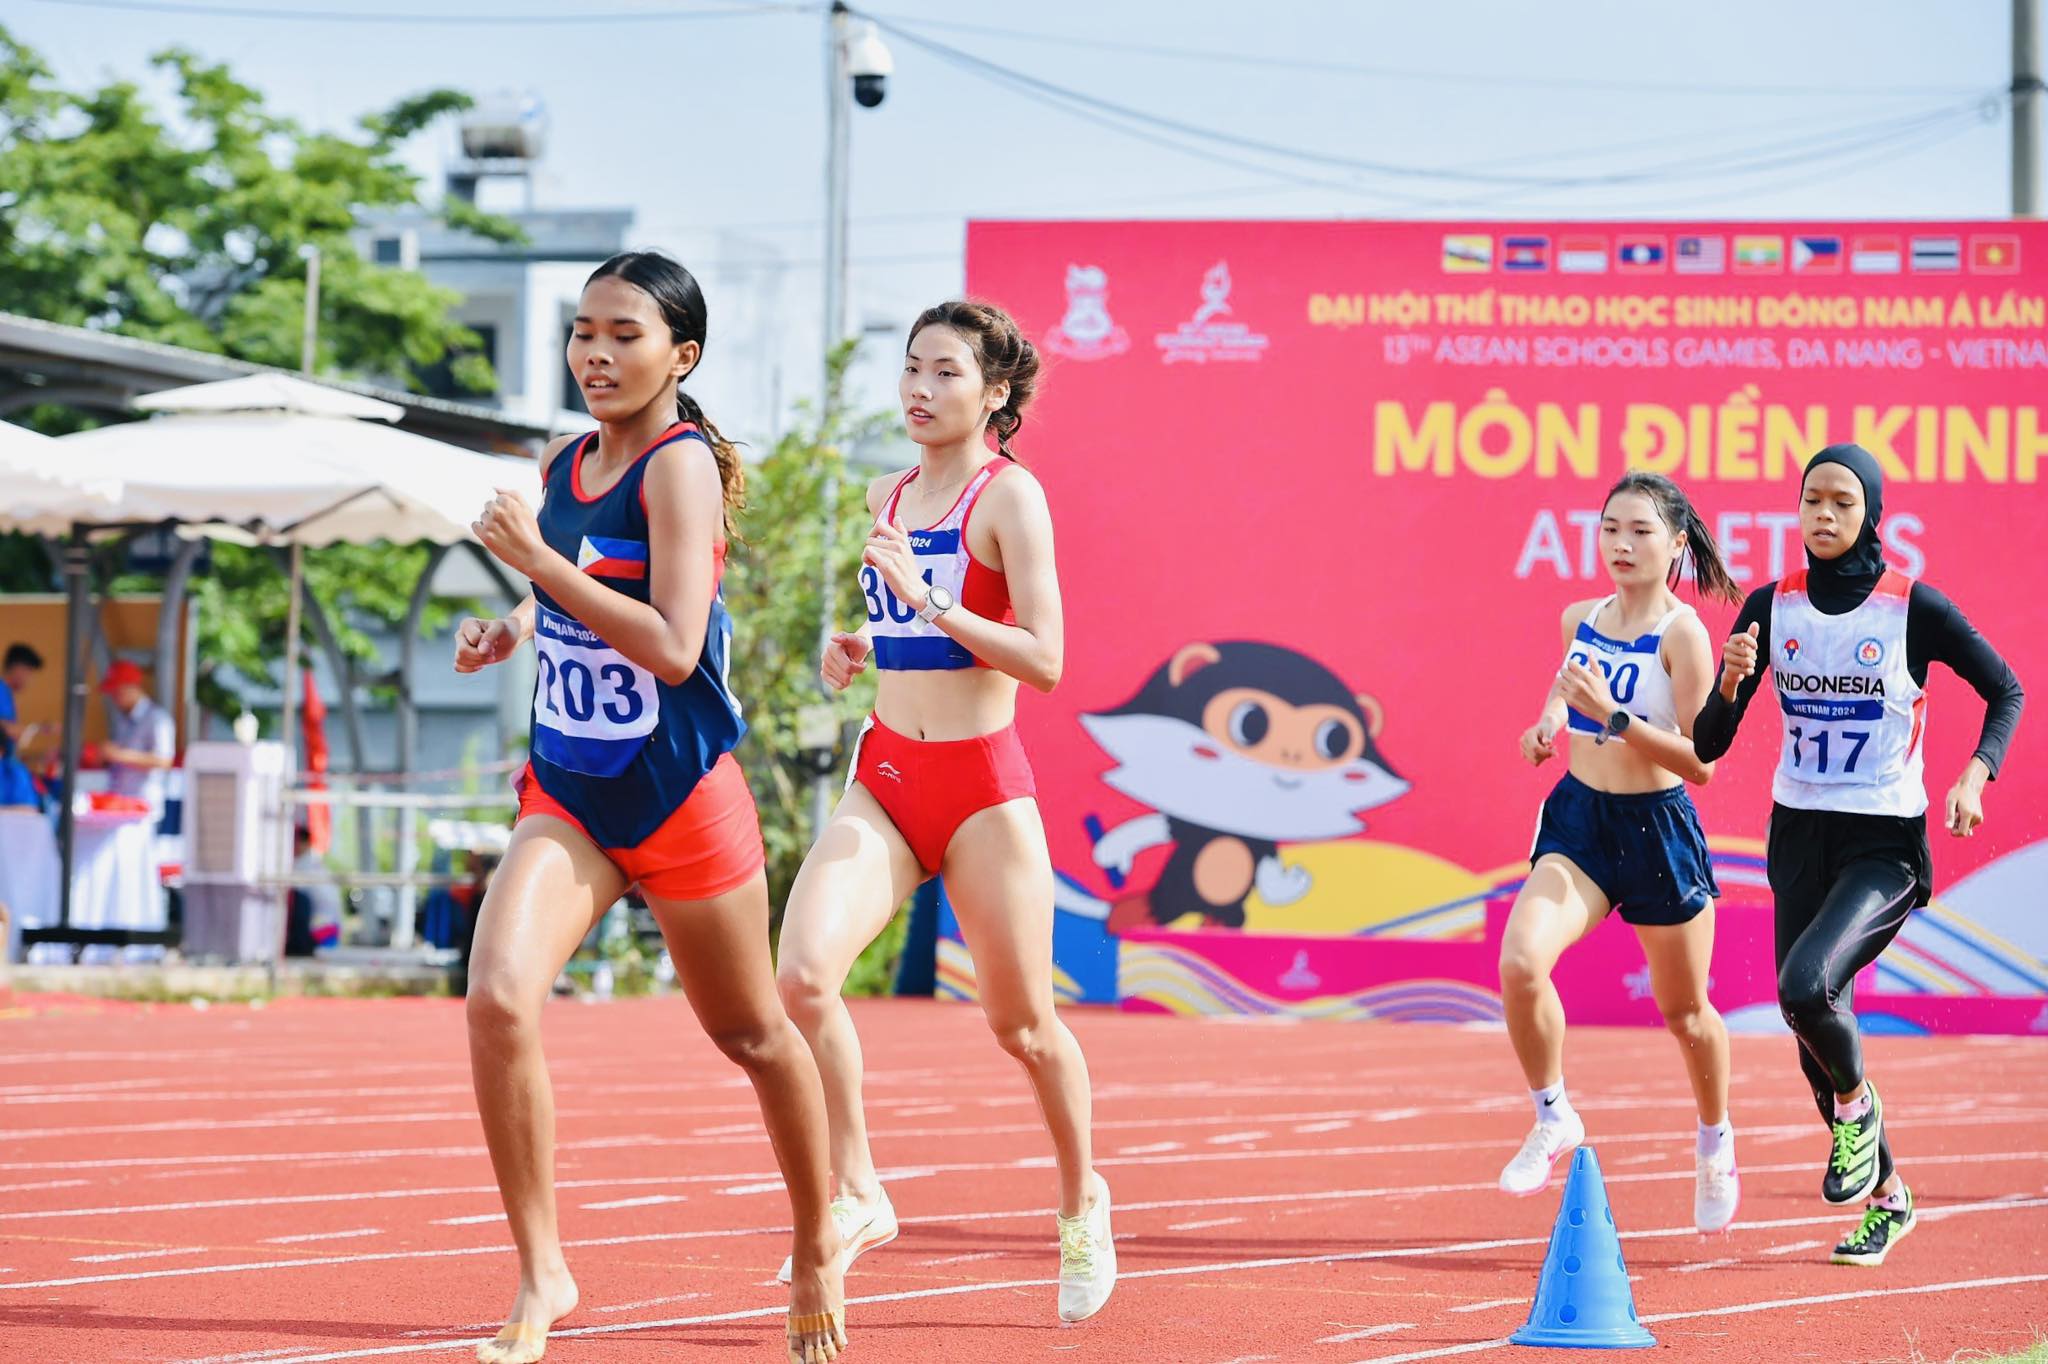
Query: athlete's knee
point(754, 1045)
point(806, 992)
point(1803, 996)
point(499, 1004)
point(1030, 1040)
point(1522, 968)
point(1688, 1020)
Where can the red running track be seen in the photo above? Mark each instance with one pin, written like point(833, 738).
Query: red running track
point(307, 1183)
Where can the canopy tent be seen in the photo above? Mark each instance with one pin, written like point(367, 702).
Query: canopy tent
point(267, 459)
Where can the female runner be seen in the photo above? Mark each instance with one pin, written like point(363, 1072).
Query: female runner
point(1851, 640)
point(632, 780)
point(1619, 831)
point(962, 605)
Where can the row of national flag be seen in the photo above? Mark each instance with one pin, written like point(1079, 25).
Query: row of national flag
point(1748, 253)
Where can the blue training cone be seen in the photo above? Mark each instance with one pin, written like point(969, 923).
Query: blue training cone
point(1583, 1300)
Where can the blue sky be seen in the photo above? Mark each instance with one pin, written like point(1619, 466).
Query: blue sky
point(716, 121)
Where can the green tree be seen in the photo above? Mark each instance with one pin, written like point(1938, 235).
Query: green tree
point(775, 588)
point(189, 226)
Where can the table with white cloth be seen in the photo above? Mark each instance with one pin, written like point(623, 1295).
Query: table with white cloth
point(114, 883)
point(30, 873)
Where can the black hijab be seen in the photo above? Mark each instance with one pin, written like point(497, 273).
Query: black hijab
point(1841, 584)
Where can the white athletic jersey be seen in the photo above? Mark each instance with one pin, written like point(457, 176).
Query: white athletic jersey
point(1634, 669)
point(1853, 715)
point(905, 641)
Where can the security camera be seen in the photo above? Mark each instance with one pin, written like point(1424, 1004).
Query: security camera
point(869, 63)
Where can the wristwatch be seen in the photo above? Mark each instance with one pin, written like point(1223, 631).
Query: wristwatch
point(1617, 725)
point(937, 602)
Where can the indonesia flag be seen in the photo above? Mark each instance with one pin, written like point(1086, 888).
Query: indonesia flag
point(602, 557)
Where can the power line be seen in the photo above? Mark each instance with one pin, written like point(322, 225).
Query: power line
point(1409, 74)
point(1159, 129)
point(202, 9)
point(1805, 175)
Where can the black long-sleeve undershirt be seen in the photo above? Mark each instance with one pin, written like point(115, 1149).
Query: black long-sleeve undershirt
point(1936, 632)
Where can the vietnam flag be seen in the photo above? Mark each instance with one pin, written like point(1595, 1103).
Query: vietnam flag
point(602, 557)
point(1996, 255)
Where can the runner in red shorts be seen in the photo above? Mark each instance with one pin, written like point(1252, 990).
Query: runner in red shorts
point(962, 605)
point(632, 780)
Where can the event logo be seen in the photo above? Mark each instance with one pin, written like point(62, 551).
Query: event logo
point(1207, 336)
point(1300, 976)
point(1869, 653)
point(1087, 332)
point(1791, 650)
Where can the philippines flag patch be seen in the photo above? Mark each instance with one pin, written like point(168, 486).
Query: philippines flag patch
point(602, 557)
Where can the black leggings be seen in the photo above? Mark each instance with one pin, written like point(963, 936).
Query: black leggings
point(1843, 886)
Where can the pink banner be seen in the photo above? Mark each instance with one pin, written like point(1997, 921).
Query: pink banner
point(1340, 478)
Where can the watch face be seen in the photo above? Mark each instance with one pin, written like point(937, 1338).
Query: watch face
point(940, 598)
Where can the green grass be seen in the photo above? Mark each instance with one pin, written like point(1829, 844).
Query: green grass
point(2037, 1353)
point(2034, 1353)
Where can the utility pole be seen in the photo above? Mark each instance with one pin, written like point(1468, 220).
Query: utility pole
point(2026, 108)
point(857, 67)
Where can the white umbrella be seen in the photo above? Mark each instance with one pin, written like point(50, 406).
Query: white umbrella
point(36, 480)
point(273, 459)
point(286, 462)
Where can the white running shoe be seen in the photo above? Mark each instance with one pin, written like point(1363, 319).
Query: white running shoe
point(861, 1227)
point(1716, 1192)
point(1087, 1259)
point(1530, 1170)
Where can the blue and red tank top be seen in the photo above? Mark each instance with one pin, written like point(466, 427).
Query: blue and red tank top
point(905, 641)
point(617, 746)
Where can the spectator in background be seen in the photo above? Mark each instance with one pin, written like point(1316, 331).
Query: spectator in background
point(143, 741)
point(314, 920)
point(17, 786)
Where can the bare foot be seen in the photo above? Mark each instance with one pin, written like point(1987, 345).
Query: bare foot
point(817, 1307)
point(540, 1304)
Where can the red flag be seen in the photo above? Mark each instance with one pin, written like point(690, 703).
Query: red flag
point(313, 726)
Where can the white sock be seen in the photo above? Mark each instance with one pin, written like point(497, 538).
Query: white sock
point(1716, 1138)
point(1844, 1112)
point(1895, 1200)
point(1551, 1104)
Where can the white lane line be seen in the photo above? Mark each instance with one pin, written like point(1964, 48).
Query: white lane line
point(1212, 1222)
point(1794, 1248)
point(304, 1237)
point(653, 1302)
point(43, 1184)
point(1937, 1117)
point(1687, 1232)
point(651, 1200)
point(1739, 1309)
point(1489, 1305)
point(1227, 1138)
point(476, 1220)
point(139, 1255)
point(1310, 1128)
point(1697, 1266)
point(1368, 1331)
point(964, 1259)
point(768, 1182)
point(1157, 1148)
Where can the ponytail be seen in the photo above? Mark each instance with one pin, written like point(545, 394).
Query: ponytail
point(1709, 571)
point(732, 475)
